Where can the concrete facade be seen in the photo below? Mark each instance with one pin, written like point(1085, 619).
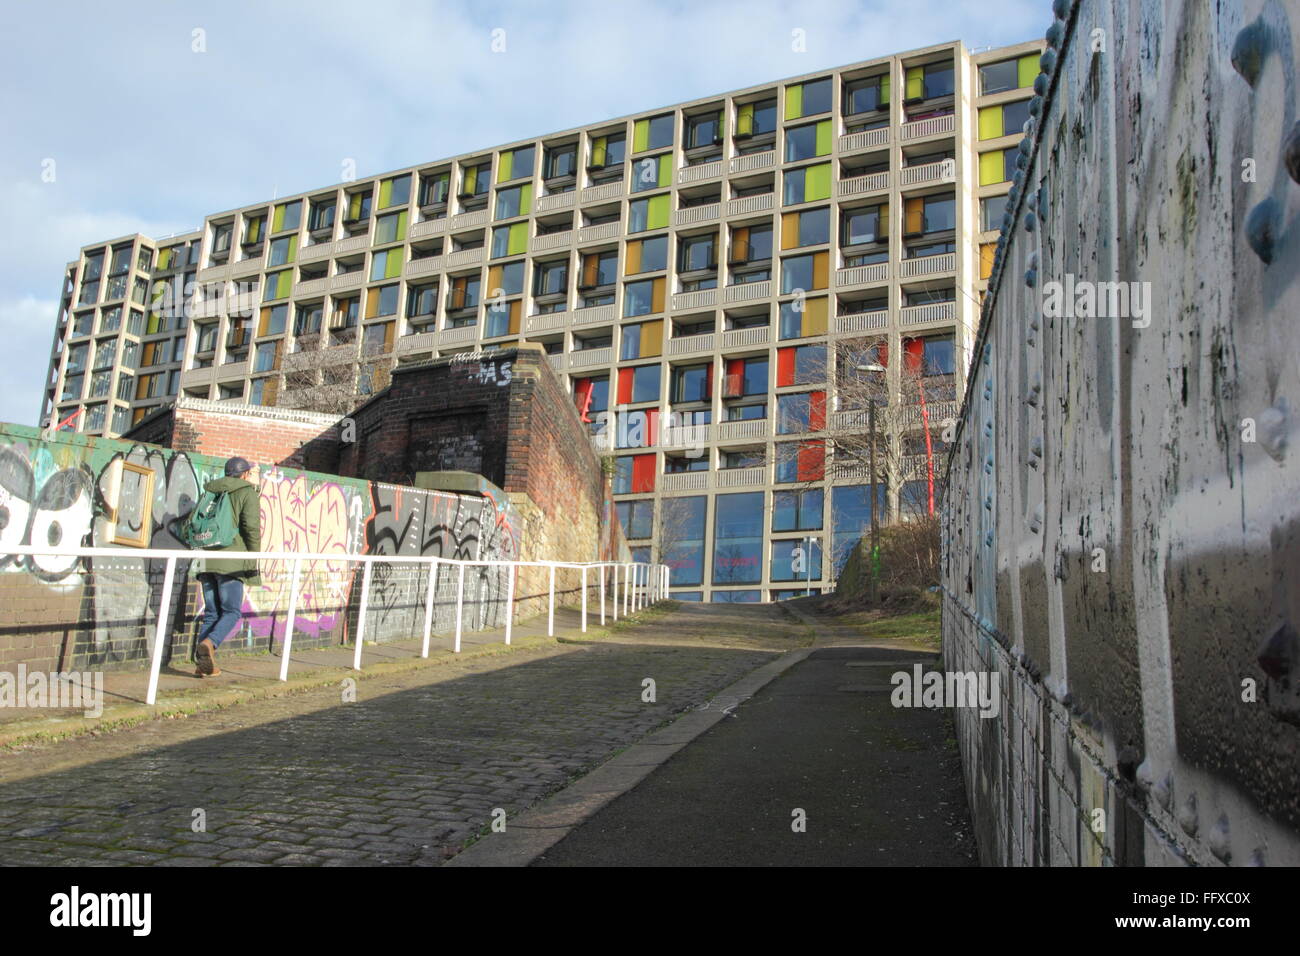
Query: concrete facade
point(1125, 549)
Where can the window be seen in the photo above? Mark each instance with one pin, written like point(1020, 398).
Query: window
point(851, 518)
point(756, 119)
point(599, 269)
point(381, 301)
point(506, 279)
point(390, 228)
point(515, 164)
point(644, 297)
point(262, 392)
point(474, 180)
point(395, 192)
point(515, 201)
point(1009, 74)
point(998, 166)
point(221, 238)
point(696, 253)
point(681, 538)
point(637, 518)
point(691, 383)
point(634, 474)
point(800, 365)
point(804, 272)
point(591, 396)
point(561, 161)
point(643, 340)
point(99, 383)
point(797, 560)
point(750, 458)
point(645, 214)
point(206, 340)
point(750, 244)
point(377, 339)
point(865, 96)
point(930, 81)
point(802, 412)
point(932, 355)
point(1006, 119)
point(283, 251)
point(422, 300)
point(254, 230)
point(130, 351)
point(278, 285)
point(273, 319)
point(144, 259)
point(510, 240)
point(233, 390)
point(287, 217)
point(654, 133)
point(82, 323)
point(652, 172)
point(738, 538)
point(608, 151)
point(704, 130)
point(805, 142)
point(551, 278)
point(808, 99)
point(797, 510)
point(745, 413)
point(111, 319)
point(386, 264)
point(639, 384)
point(358, 207)
point(809, 184)
point(930, 214)
point(307, 320)
point(809, 228)
point(647, 255)
point(464, 293)
point(991, 212)
point(745, 377)
point(864, 225)
point(265, 355)
point(120, 264)
point(322, 215)
point(434, 189)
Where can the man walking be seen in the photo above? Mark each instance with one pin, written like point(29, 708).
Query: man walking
point(223, 579)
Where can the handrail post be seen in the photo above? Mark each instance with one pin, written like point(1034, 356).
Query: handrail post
point(428, 605)
point(510, 599)
point(286, 645)
point(613, 581)
point(361, 615)
point(550, 614)
point(460, 603)
point(584, 599)
point(160, 632)
point(602, 595)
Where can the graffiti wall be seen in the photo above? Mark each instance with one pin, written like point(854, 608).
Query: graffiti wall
point(61, 611)
point(1122, 543)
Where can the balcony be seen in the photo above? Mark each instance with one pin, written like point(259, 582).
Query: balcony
point(739, 338)
point(555, 201)
point(937, 412)
point(466, 333)
point(321, 250)
point(685, 481)
point(697, 214)
point(741, 477)
point(464, 257)
point(862, 321)
point(684, 436)
point(428, 227)
point(748, 428)
point(927, 265)
point(545, 322)
point(214, 273)
point(585, 358)
point(691, 345)
point(933, 126)
point(857, 419)
point(743, 164)
point(935, 312)
point(310, 287)
point(603, 192)
point(467, 220)
point(595, 315)
point(695, 174)
point(419, 342)
point(349, 280)
point(861, 275)
point(702, 299)
point(867, 139)
point(423, 267)
point(747, 291)
point(605, 230)
point(557, 361)
point(553, 240)
point(247, 267)
point(352, 244)
point(750, 204)
point(861, 185)
point(927, 173)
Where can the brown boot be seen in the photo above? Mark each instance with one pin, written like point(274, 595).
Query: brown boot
point(205, 656)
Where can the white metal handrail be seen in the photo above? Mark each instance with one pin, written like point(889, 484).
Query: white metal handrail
point(641, 588)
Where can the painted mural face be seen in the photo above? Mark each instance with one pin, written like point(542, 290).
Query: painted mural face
point(43, 505)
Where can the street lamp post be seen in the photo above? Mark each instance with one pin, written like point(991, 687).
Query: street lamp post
point(875, 521)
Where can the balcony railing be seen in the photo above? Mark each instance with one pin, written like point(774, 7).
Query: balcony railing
point(926, 173)
point(595, 315)
point(351, 244)
point(466, 333)
point(558, 361)
point(556, 201)
point(546, 321)
point(313, 253)
point(933, 126)
point(745, 428)
point(464, 257)
point(861, 275)
point(423, 267)
point(926, 314)
point(690, 344)
point(419, 342)
point(311, 287)
point(695, 174)
point(553, 240)
point(427, 227)
point(927, 265)
point(684, 436)
point(585, 358)
point(938, 413)
point(867, 139)
point(704, 298)
point(747, 291)
point(467, 220)
point(604, 230)
point(750, 204)
point(697, 214)
point(858, 185)
point(685, 481)
point(247, 267)
point(742, 164)
point(736, 338)
point(741, 477)
point(603, 192)
point(349, 280)
point(862, 321)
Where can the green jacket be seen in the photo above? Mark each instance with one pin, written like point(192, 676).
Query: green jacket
point(246, 503)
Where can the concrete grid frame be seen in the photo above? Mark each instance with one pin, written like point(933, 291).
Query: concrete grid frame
point(544, 240)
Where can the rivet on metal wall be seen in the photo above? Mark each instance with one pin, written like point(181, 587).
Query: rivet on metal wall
point(1187, 815)
point(1036, 520)
point(1291, 152)
point(1262, 228)
point(1060, 8)
point(1277, 655)
point(1164, 790)
point(1218, 840)
point(1025, 145)
point(1035, 106)
point(1249, 50)
point(1041, 82)
point(1272, 429)
point(1054, 35)
point(1047, 62)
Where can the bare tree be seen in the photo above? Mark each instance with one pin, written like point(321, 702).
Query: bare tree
point(323, 374)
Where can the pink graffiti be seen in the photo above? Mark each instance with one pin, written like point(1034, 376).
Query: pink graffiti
point(298, 515)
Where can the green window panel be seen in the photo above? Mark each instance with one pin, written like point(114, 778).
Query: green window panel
point(652, 172)
point(470, 184)
point(287, 216)
point(653, 133)
point(990, 122)
point(395, 192)
point(793, 102)
point(253, 233)
point(641, 135)
point(1027, 69)
point(386, 264)
point(817, 182)
point(824, 138)
point(915, 83)
point(515, 164)
point(745, 120)
point(598, 150)
point(884, 90)
point(284, 251)
point(992, 166)
point(278, 285)
point(391, 228)
point(518, 244)
point(657, 212)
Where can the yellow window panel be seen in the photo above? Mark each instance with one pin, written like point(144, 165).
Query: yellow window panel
point(814, 316)
point(915, 83)
point(652, 334)
point(992, 168)
point(987, 251)
point(821, 270)
point(913, 216)
point(745, 120)
point(789, 230)
point(633, 264)
point(657, 296)
point(990, 122)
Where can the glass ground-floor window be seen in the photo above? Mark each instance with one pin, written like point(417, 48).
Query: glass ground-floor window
point(736, 597)
point(738, 538)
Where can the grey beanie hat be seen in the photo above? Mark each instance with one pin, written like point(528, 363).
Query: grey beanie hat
point(237, 466)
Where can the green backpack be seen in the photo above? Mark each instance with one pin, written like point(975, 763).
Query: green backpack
point(212, 522)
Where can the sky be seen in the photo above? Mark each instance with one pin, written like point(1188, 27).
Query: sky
point(151, 125)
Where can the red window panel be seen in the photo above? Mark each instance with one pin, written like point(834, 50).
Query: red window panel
point(816, 411)
point(708, 381)
point(643, 473)
point(882, 354)
point(784, 367)
point(811, 461)
point(582, 396)
point(651, 427)
point(734, 384)
point(913, 354)
point(625, 385)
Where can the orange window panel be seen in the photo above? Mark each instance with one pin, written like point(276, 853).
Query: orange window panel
point(784, 367)
point(643, 473)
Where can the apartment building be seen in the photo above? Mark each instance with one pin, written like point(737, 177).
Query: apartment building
point(690, 270)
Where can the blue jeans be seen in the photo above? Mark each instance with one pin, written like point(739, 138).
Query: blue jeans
point(223, 600)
